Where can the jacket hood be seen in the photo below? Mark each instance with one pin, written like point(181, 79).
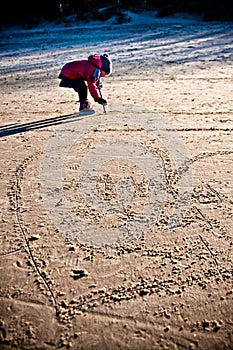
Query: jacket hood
point(96, 60)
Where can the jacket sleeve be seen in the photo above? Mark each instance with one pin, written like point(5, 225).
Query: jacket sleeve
point(94, 91)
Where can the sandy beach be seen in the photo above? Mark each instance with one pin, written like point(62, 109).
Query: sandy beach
point(116, 229)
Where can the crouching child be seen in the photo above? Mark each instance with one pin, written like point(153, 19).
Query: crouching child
point(84, 75)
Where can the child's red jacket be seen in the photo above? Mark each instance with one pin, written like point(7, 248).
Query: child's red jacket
point(84, 69)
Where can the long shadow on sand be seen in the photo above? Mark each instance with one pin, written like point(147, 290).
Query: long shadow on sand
point(12, 129)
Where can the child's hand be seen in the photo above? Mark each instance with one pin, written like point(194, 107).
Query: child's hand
point(101, 101)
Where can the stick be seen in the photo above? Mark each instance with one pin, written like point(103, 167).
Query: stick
point(102, 105)
point(104, 109)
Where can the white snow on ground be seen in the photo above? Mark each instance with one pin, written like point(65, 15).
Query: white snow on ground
point(147, 39)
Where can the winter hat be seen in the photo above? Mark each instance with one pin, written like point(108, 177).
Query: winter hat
point(106, 63)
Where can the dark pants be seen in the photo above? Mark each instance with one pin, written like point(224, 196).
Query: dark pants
point(78, 85)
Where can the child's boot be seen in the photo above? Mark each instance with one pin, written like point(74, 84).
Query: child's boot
point(85, 108)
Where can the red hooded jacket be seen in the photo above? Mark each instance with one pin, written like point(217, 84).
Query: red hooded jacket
point(84, 69)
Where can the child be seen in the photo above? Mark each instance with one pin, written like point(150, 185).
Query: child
point(82, 75)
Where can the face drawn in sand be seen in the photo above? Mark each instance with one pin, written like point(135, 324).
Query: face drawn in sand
point(102, 189)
